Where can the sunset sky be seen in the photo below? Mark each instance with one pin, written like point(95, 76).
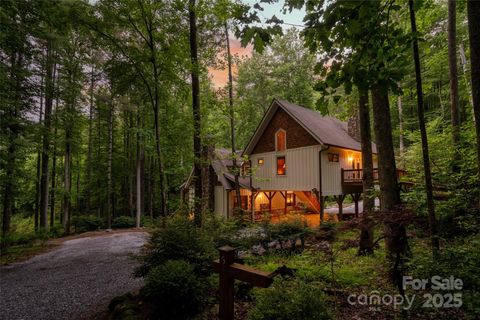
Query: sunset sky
point(219, 77)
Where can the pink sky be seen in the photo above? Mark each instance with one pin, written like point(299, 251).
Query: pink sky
point(220, 76)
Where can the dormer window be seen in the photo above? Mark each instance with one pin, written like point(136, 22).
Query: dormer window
point(281, 140)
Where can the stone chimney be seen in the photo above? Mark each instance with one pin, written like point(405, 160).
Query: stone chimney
point(353, 127)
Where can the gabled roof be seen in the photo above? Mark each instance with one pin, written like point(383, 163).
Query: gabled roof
point(221, 161)
point(325, 129)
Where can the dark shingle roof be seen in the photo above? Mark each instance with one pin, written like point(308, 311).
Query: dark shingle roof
point(325, 129)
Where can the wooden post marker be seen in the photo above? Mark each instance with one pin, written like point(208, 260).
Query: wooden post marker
point(229, 271)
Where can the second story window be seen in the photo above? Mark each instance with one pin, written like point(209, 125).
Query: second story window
point(281, 166)
point(281, 140)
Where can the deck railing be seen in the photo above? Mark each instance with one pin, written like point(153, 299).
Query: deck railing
point(355, 176)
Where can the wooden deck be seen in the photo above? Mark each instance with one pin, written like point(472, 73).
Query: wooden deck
point(355, 176)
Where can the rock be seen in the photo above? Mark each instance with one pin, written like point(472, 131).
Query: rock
point(298, 244)
point(108, 230)
point(242, 254)
point(258, 249)
point(273, 244)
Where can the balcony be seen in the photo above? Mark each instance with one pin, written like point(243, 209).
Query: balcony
point(354, 177)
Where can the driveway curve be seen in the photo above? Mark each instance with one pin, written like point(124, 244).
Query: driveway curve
point(73, 281)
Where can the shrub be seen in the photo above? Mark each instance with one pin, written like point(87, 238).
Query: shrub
point(123, 222)
point(87, 223)
point(326, 231)
point(289, 230)
point(179, 239)
point(287, 300)
point(174, 290)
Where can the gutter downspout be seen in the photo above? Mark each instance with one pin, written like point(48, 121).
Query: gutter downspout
point(320, 192)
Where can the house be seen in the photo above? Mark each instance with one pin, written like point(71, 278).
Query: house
point(296, 158)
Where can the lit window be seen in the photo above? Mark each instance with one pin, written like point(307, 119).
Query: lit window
point(333, 157)
point(260, 161)
point(281, 166)
point(281, 138)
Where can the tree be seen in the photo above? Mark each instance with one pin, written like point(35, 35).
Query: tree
point(197, 143)
point(452, 66)
point(423, 132)
point(232, 117)
point(473, 9)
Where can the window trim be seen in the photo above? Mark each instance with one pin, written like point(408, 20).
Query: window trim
point(276, 140)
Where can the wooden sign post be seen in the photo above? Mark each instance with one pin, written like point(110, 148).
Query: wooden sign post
point(229, 271)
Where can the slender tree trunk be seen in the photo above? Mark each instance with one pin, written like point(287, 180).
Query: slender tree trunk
point(366, 234)
point(423, 132)
point(54, 173)
point(139, 175)
point(90, 142)
point(232, 118)
point(463, 61)
point(109, 163)
point(400, 126)
point(197, 143)
point(473, 9)
point(67, 180)
point(44, 188)
point(39, 161)
point(452, 66)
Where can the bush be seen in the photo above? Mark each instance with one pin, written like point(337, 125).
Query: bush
point(287, 300)
point(289, 230)
point(87, 223)
point(123, 222)
point(174, 290)
point(326, 231)
point(179, 239)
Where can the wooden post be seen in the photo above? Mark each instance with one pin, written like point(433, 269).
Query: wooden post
point(340, 199)
point(229, 271)
point(227, 257)
point(356, 198)
point(285, 209)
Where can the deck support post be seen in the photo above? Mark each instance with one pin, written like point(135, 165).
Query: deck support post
point(285, 209)
point(339, 200)
point(356, 198)
point(322, 207)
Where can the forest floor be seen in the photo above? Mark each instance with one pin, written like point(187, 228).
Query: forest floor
point(75, 280)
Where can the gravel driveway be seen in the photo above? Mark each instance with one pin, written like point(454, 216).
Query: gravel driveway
point(74, 281)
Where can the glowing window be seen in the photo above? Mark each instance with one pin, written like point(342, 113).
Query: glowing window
point(281, 166)
point(281, 140)
point(260, 161)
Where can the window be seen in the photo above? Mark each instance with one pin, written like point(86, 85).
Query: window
point(281, 166)
point(244, 200)
point(260, 161)
point(333, 157)
point(291, 199)
point(281, 140)
point(245, 169)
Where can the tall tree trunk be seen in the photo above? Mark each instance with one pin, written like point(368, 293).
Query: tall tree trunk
point(54, 174)
point(452, 66)
point(67, 180)
point(390, 196)
point(39, 162)
point(44, 188)
point(473, 10)
point(423, 132)
point(90, 142)
point(400, 126)
point(463, 61)
point(197, 143)
point(232, 118)
point(366, 234)
point(109, 163)
point(139, 174)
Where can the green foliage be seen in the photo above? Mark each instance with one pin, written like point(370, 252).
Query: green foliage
point(287, 300)
point(123, 222)
point(174, 290)
point(178, 239)
point(87, 223)
point(459, 258)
